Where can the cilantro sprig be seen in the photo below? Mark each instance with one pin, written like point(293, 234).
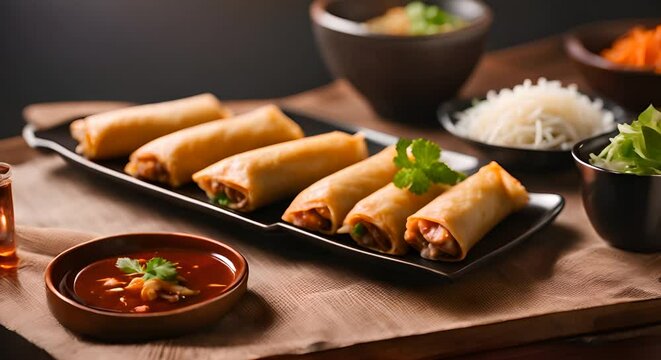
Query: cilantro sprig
point(155, 268)
point(424, 168)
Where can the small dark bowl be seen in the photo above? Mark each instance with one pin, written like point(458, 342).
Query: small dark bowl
point(516, 158)
point(633, 88)
point(404, 78)
point(624, 209)
point(125, 327)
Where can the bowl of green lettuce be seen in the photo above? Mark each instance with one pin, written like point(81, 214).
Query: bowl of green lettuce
point(621, 183)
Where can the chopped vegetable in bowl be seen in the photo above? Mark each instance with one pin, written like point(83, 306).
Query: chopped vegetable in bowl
point(636, 149)
point(416, 18)
point(639, 48)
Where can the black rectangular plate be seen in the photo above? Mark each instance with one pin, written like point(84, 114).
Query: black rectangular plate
point(541, 210)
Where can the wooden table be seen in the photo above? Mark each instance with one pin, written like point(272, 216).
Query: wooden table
point(339, 102)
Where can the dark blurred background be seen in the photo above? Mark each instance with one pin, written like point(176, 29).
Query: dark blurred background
point(151, 50)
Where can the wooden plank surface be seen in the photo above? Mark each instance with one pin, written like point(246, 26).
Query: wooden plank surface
point(339, 102)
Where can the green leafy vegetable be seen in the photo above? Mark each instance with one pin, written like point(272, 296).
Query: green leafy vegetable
point(157, 267)
point(222, 199)
point(358, 230)
point(636, 149)
point(424, 168)
point(129, 266)
point(430, 19)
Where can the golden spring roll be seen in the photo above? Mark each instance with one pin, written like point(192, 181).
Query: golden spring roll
point(323, 205)
point(449, 226)
point(378, 221)
point(119, 132)
point(174, 158)
point(259, 177)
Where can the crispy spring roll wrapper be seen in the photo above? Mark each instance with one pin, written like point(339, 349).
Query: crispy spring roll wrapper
point(174, 158)
point(449, 226)
point(382, 217)
point(119, 132)
point(323, 205)
point(259, 177)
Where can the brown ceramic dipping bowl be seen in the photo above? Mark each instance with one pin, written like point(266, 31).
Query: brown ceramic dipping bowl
point(130, 327)
point(624, 209)
point(633, 88)
point(404, 78)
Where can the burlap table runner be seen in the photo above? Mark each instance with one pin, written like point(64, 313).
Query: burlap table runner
point(303, 298)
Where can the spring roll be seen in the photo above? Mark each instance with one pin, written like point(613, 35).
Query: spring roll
point(449, 226)
point(259, 177)
point(378, 221)
point(174, 158)
point(324, 204)
point(119, 132)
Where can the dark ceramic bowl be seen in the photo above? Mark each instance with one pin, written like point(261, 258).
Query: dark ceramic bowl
point(624, 209)
point(633, 88)
point(403, 77)
point(516, 158)
point(124, 327)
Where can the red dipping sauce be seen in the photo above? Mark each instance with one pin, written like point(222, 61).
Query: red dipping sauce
point(208, 273)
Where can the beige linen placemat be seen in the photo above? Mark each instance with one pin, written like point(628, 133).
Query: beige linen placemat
point(303, 297)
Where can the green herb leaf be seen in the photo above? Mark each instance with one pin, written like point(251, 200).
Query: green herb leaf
point(222, 199)
point(419, 182)
point(154, 268)
point(358, 230)
point(418, 174)
point(402, 158)
point(160, 268)
point(403, 178)
point(129, 266)
point(425, 152)
point(441, 173)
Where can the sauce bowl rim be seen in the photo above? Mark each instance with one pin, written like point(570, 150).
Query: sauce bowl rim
point(242, 273)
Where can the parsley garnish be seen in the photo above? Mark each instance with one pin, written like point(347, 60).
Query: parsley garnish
point(425, 168)
point(154, 268)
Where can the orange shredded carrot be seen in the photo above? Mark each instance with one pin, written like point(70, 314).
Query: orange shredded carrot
point(640, 48)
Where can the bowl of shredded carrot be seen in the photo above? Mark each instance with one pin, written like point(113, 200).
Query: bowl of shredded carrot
point(620, 59)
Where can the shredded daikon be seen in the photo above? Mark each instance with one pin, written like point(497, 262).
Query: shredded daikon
point(540, 116)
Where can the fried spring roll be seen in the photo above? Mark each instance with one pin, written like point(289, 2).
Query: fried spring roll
point(259, 177)
point(323, 206)
point(449, 226)
point(119, 132)
point(174, 158)
point(378, 221)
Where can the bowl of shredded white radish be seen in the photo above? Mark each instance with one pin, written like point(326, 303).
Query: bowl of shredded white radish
point(533, 125)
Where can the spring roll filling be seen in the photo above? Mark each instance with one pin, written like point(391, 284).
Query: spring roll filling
point(318, 219)
point(228, 196)
point(435, 241)
point(151, 169)
point(371, 236)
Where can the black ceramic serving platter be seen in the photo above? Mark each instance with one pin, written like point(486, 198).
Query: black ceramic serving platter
point(541, 210)
point(518, 158)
